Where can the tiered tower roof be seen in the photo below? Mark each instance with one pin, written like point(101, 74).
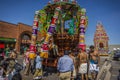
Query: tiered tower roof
point(100, 33)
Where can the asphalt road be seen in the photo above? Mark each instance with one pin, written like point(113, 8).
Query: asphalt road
point(47, 76)
point(115, 68)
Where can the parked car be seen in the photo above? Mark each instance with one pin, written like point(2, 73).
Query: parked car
point(116, 55)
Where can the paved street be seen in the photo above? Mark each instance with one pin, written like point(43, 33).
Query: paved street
point(53, 76)
point(115, 68)
point(47, 76)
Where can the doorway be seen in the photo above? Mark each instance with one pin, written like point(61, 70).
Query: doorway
point(25, 42)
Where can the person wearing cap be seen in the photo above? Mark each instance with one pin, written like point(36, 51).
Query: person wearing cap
point(94, 59)
point(65, 66)
point(82, 68)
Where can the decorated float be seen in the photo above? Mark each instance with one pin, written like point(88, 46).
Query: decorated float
point(62, 24)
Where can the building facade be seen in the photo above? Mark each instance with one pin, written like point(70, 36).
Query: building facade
point(15, 35)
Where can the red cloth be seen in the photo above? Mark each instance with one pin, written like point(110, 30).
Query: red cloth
point(53, 20)
point(45, 47)
point(82, 46)
point(32, 48)
point(2, 45)
point(35, 23)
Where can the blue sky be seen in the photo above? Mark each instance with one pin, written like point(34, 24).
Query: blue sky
point(106, 11)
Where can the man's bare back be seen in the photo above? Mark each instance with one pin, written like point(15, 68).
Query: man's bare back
point(83, 57)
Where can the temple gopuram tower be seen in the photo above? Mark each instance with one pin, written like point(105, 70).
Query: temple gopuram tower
point(101, 39)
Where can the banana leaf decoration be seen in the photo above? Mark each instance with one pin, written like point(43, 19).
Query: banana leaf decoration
point(47, 26)
point(42, 21)
point(83, 11)
point(78, 20)
point(63, 15)
point(86, 21)
point(40, 26)
point(78, 16)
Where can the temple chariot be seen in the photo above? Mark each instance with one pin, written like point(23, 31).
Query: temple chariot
point(62, 25)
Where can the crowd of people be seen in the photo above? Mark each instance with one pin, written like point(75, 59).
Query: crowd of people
point(83, 65)
point(70, 66)
point(9, 65)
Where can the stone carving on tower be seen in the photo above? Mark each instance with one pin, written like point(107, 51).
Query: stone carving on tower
point(101, 39)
